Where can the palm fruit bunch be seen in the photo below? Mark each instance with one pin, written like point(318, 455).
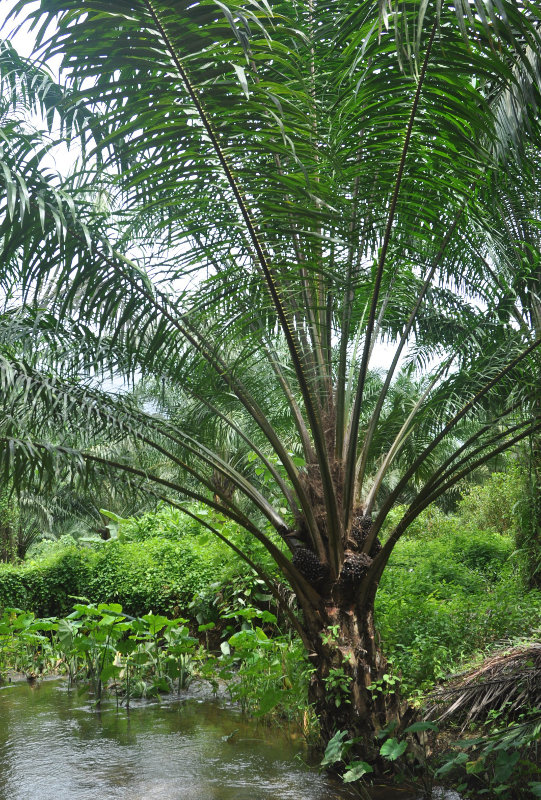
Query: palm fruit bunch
point(360, 530)
point(309, 565)
point(355, 567)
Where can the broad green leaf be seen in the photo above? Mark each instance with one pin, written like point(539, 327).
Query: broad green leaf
point(335, 749)
point(111, 608)
point(393, 749)
point(109, 671)
point(269, 700)
point(449, 765)
point(357, 769)
point(155, 622)
point(66, 632)
point(421, 726)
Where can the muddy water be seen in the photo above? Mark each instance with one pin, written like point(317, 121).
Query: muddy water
point(55, 746)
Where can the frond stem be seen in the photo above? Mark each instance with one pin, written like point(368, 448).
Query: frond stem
point(351, 457)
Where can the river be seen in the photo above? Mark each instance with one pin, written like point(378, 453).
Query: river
point(55, 745)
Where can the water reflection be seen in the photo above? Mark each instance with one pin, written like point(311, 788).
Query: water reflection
point(54, 746)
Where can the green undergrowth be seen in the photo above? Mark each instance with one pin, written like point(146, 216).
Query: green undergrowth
point(497, 758)
point(158, 574)
point(167, 602)
point(497, 761)
point(112, 653)
point(157, 562)
point(450, 591)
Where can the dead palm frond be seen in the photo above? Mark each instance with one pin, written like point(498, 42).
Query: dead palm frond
point(508, 681)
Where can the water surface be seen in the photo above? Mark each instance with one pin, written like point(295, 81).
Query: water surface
point(55, 746)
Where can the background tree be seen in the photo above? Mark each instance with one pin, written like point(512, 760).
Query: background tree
point(265, 193)
point(511, 256)
point(9, 519)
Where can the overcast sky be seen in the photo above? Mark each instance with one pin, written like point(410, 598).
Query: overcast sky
point(23, 40)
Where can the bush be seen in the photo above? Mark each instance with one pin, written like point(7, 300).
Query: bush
point(448, 592)
point(142, 570)
point(166, 523)
point(45, 586)
point(492, 506)
point(158, 575)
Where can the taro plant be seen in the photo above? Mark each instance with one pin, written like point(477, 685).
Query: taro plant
point(23, 645)
point(265, 675)
point(337, 754)
point(180, 648)
point(71, 645)
point(392, 752)
point(100, 644)
point(95, 633)
point(164, 646)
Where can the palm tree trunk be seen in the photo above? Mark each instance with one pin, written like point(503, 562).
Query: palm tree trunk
point(8, 547)
point(347, 688)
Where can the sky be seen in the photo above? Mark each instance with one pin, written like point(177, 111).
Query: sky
point(23, 40)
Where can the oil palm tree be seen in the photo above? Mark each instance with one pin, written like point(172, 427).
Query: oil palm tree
point(266, 192)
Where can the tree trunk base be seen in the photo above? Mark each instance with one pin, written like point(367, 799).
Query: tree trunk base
point(351, 688)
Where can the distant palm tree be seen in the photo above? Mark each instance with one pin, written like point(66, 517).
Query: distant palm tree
point(512, 258)
point(265, 193)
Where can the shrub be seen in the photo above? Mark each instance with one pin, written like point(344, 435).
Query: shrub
point(158, 575)
point(492, 505)
point(142, 569)
point(448, 592)
point(166, 523)
point(45, 586)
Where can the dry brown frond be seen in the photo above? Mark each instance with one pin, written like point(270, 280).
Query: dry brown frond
point(509, 680)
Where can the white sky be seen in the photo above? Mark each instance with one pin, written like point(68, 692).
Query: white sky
point(23, 40)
